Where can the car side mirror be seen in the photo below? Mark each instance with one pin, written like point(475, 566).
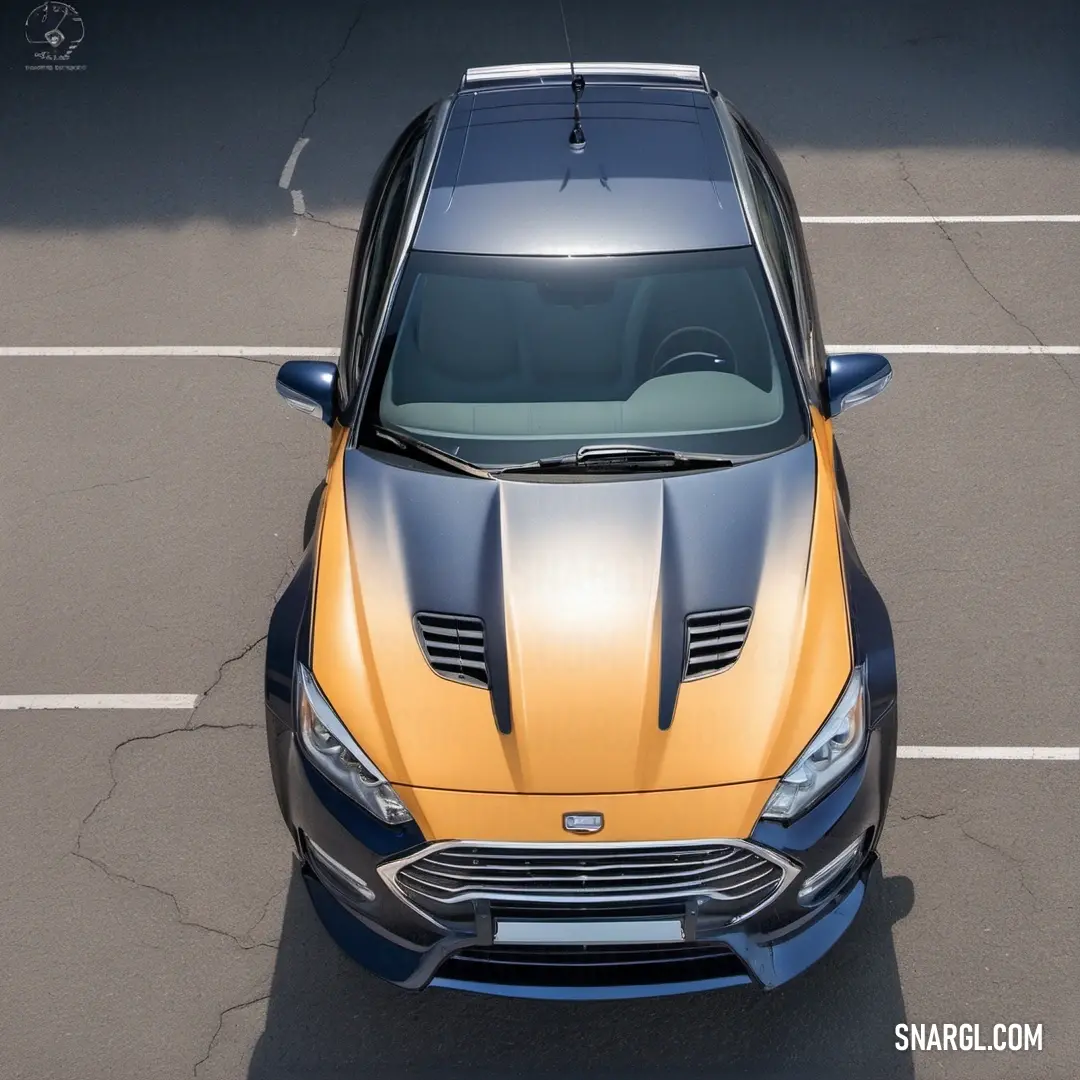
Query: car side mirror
point(309, 385)
point(854, 378)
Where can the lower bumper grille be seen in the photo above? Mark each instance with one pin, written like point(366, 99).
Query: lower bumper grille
point(592, 965)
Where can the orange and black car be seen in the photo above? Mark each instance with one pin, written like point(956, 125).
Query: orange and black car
point(581, 689)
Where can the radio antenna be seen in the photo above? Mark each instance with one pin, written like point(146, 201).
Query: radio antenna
point(577, 136)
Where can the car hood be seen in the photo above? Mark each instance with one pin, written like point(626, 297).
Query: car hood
point(583, 588)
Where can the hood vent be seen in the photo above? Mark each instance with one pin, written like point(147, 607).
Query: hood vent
point(714, 640)
point(454, 647)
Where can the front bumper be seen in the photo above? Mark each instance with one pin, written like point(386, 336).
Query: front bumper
point(395, 942)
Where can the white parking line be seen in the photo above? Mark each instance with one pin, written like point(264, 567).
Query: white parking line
point(257, 351)
point(290, 164)
point(942, 219)
point(992, 753)
point(961, 350)
point(15, 702)
point(254, 351)
point(107, 702)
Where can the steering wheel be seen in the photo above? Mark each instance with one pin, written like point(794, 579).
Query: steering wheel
point(714, 350)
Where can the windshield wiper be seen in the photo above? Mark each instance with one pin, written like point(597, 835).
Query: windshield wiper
point(618, 458)
point(417, 448)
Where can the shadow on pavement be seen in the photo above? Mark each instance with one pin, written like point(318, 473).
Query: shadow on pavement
point(311, 514)
point(327, 1019)
point(843, 488)
point(189, 111)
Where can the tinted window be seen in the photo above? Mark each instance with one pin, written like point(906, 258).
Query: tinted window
point(773, 226)
point(383, 245)
point(503, 360)
point(370, 231)
point(803, 279)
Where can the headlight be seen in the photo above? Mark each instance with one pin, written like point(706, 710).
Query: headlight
point(333, 751)
point(824, 763)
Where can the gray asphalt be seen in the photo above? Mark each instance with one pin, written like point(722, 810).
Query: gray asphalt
point(150, 922)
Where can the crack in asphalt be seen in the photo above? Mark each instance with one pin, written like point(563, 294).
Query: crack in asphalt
point(272, 361)
point(323, 221)
point(906, 178)
point(285, 578)
point(1007, 855)
point(329, 73)
point(262, 914)
point(299, 209)
point(221, 1023)
point(221, 672)
point(181, 918)
point(187, 726)
point(925, 817)
point(103, 484)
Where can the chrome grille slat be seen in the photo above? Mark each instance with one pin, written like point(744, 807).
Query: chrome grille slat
point(585, 854)
point(501, 877)
point(449, 894)
point(590, 850)
point(578, 866)
point(594, 881)
point(737, 874)
point(737, 892)
point(714, 640)
point(573, 878)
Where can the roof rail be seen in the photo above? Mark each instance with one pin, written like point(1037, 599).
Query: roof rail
point(683, 73)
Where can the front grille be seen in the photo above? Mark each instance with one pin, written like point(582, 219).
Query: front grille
point(454, 646)
point(592, 965)
point(714, 640)
point(735, 878)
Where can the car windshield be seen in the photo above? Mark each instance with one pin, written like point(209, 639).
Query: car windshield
point(501, 361)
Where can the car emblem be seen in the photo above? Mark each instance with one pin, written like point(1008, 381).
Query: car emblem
point(583, 823)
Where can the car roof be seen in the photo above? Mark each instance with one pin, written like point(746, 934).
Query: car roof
point(654, 176)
